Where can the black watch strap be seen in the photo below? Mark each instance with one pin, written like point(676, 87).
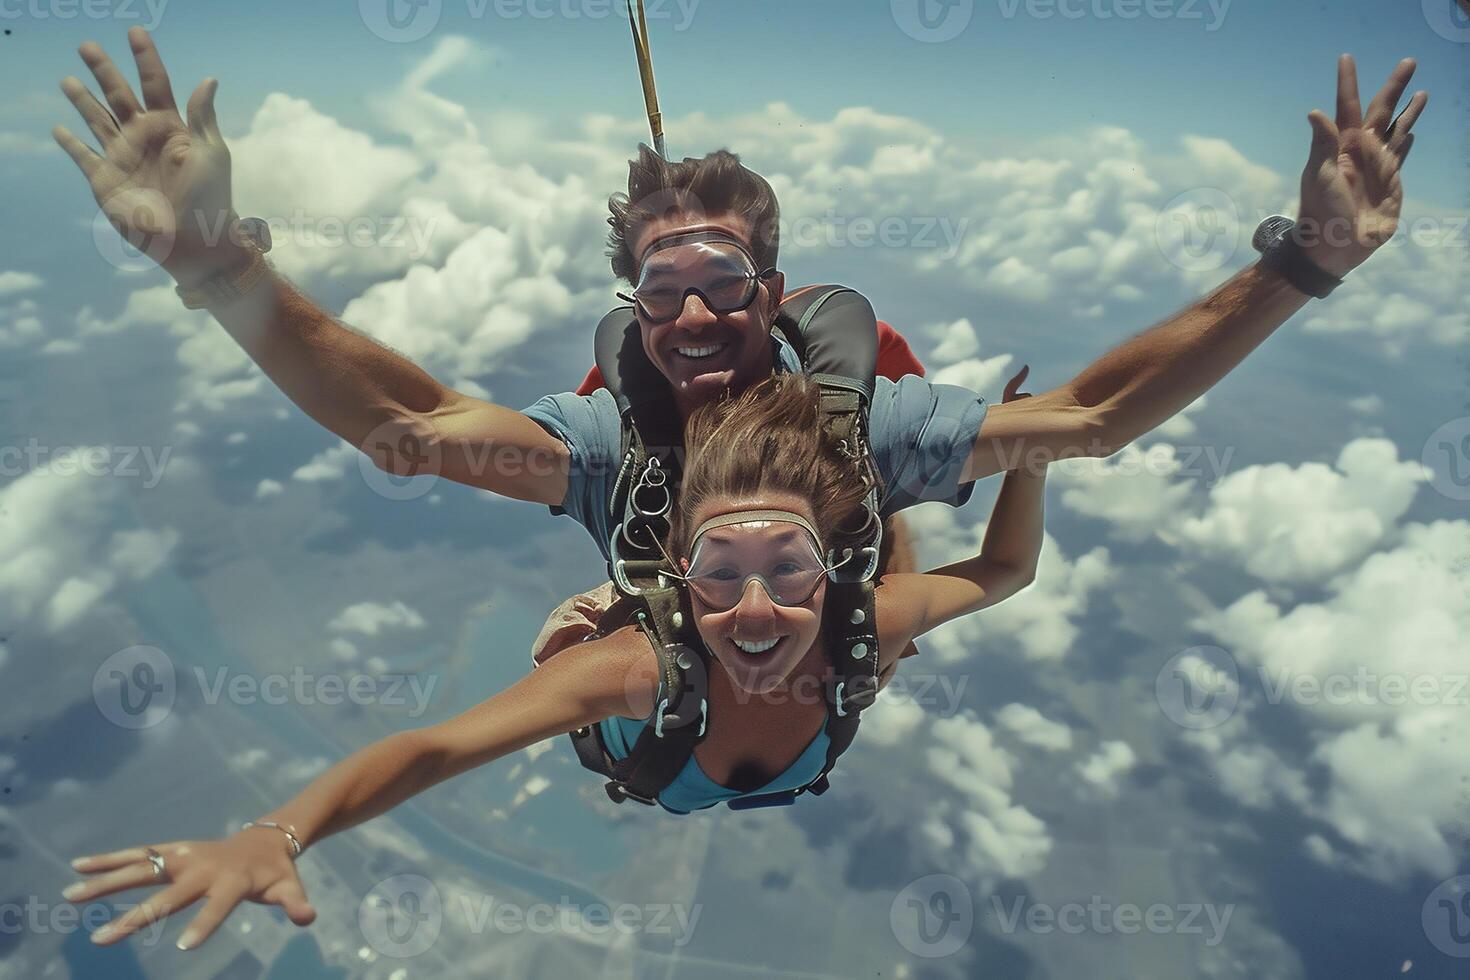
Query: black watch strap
point(1289, 259)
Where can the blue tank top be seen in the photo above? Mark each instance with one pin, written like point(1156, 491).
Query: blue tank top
point(692, 790)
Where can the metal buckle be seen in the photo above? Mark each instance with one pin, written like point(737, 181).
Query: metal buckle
point(618, 792)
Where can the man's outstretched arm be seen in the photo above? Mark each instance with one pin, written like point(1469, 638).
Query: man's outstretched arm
point(165, 185)
point(1351, 197)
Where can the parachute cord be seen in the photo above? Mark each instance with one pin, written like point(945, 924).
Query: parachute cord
point(645, 72)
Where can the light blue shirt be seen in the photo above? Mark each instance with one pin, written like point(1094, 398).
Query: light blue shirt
point(691, 789)
point(920, 433)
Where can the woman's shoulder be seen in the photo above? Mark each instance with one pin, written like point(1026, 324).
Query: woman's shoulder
point(621, 671)
point(899, 603)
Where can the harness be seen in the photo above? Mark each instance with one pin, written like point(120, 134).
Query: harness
point(837, 349)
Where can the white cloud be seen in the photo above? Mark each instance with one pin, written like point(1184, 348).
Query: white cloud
point(1281, 523)
point(369, 618)
point(1105, 768)
point(268, 488)
point(329, 464)
point(1385, 697)
point(1301, 524)
point(18, 282)
point(1135, 489)
point(1367, 405)
point(1029, 726)
point(1004, 838)
point(1039, 621)
point(58, 555)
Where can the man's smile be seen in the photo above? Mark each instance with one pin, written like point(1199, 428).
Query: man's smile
point(699, 353)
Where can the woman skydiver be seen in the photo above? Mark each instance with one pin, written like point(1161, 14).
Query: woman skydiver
point(765, 497)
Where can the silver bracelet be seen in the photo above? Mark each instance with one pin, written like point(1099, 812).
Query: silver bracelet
point(295, 844)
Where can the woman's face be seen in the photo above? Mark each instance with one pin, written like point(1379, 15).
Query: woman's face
point(740, 637)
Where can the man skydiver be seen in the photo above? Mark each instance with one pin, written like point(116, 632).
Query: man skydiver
point(930, 441)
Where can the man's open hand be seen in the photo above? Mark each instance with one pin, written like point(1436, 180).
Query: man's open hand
point(1351, 195)
point(164, 185)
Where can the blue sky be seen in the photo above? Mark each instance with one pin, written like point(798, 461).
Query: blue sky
point(1303, 524)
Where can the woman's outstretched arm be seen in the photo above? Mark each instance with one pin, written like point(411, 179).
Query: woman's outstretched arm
point(582, 685)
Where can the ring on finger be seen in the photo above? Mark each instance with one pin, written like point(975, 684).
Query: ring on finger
point(156, 860)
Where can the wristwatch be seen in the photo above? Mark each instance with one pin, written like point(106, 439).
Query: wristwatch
point(255, 235)
point(1283, 254)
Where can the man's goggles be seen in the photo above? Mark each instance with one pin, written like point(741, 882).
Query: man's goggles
point(777, 548)
point(711, 264)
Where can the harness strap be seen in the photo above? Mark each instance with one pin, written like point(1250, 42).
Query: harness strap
point(842, 360)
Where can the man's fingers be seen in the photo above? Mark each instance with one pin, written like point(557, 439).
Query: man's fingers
point(1380, 110)
point(99, 120)
point(157, 93)
point(115, 88)
point(1408, 145)
point(1349, 109)
point(202, 121)
point(1397, 135)
point(1325, 139)
point(83, 155)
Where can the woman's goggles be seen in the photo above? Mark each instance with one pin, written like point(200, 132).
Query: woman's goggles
point(712, 265)
point(776, 548)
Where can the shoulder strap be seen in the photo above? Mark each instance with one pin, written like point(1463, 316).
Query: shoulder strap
point(835, 332)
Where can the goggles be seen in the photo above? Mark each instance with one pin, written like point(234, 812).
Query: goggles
point(776, 548)
point(713, 265)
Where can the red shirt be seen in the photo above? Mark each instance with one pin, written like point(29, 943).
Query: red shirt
point(894, 360)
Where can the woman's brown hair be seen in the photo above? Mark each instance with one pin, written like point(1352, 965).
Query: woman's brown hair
point(770, 439)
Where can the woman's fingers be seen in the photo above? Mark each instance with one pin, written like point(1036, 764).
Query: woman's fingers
point(289, 895)
point(1011, 386)
point(222, 901)
point(175, 898)
point(157, 93)
point(92, 863)
point(115, 88)
point(133, 875)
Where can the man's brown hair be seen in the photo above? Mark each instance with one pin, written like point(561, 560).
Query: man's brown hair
point(714, 184)
point(770, 439)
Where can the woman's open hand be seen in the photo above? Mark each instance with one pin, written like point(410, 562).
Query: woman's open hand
point(254, 864)
point(164, 185)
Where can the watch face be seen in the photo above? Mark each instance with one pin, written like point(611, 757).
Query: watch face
point(257, 230)
point(1270, 232)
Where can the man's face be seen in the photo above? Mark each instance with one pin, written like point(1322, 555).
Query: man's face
point(703, 353)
